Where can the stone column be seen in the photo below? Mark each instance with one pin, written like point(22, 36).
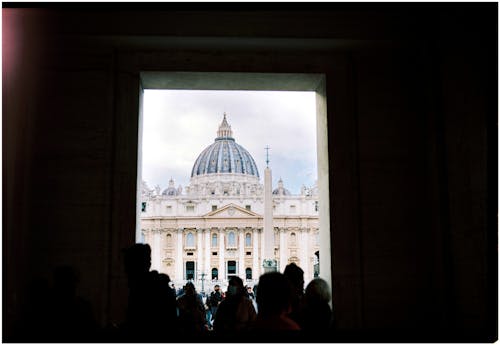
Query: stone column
point(156, 251)
point(283, 250)
point(178, 258)
point(241, 258)
point(255, 254)
point(222, 263)
point(199, 254)
point(304, 254)
point(208, 248)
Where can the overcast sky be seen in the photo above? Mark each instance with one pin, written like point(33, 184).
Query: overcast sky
point(179, 124)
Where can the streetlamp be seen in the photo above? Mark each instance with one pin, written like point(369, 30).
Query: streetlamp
point(202, 282)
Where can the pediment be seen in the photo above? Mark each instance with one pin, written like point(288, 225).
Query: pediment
point(232, 211)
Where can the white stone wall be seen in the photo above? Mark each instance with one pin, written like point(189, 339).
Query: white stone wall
point(169, 215)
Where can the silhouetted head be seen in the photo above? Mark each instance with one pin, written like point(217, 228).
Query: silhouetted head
point(235, 286)
point(189, 289)
point(137, 259)
point(216, 287)
point(164, 278)
point(295, 275)
point(274, 294)
point(318, 291)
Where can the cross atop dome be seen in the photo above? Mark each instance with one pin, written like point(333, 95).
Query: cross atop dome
point(224, 129)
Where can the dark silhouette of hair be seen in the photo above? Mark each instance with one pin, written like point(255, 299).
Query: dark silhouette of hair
point(274, 293)
point(236, 311)
point(295, 275)
point(137, 259)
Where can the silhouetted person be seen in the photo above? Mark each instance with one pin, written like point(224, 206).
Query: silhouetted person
point(151, 312)
point(191, 312)
point(213, 302)
point(274, 303)
point(316, 316)
point(33, 325)
point(69, 318)
point(295, 276)
point(236, 311)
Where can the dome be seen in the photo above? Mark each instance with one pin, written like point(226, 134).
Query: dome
point(170, 191)
point(281, 190)
point(224, 156)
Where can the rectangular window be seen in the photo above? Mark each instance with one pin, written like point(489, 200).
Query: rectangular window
point(169, 209)
point(214, 207)
point(189, 270)
point(190, 254)
point(248, 207)
point(143, 207)
point(214, 253)
point(316, 206)
point(231, 267)
point(293, 208)
point(190, 208)
point(249, 253)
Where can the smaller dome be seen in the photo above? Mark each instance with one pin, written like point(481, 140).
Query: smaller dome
point(281, 190)
point(170, 191)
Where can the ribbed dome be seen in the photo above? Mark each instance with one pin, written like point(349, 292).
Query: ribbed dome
point(224, 156)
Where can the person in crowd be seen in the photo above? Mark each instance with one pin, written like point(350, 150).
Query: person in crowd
point(295, 276)
point(274, 302)
point(213, 302)
point(251, 295)
point(236, 311)
point(151, 311)
point(316, 314)
point(57, 314)
point(191, 312)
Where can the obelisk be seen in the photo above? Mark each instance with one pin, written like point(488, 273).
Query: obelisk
point(269, 263)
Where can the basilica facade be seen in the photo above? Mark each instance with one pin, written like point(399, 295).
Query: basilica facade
point(214, 228)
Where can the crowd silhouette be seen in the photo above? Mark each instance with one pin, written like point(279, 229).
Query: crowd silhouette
point(156, 312)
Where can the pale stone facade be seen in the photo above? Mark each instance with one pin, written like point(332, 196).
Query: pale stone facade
point(215, 227)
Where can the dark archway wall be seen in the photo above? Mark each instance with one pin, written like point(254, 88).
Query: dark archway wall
point(412, 109)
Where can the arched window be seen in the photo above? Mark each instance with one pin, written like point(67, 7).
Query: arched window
point(248, 273)
point(215, 273)
point(214, 240)
point(231, 239)
point(248, 240)
point(293, 239)
point(190, 240)
point(169, 240)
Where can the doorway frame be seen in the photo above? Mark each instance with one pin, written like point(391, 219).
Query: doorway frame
point(340, 125)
